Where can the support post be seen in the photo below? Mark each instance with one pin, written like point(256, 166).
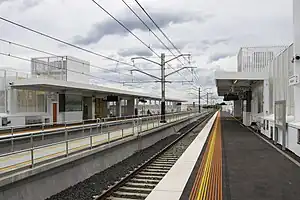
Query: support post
point(206, 98)
point(296, 14)
point(199, 100)
point(163, 103)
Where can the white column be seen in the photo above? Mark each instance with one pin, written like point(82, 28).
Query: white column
point(11, 101)
point(130, 107)
point(137, 105)
point(174, 107)
point(266, 99)
point(237, 108)
point(118, 108)
point(296, 9)
point(93, 107)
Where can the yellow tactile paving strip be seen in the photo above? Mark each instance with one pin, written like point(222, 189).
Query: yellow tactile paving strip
point(208, 182)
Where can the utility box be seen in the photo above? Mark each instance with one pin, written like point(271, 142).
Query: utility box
point(4, 121)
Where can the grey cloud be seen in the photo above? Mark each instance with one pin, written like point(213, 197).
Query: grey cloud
point(203, 45)
point(134, 52)
point(178, 45)
point(31, 3)
point(111, 27)
point(3, 1)
point(218, 56)
point(25, 4)
point(216, 41)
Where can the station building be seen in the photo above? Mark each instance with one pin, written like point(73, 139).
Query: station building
point(62, 88)
point(265, 89)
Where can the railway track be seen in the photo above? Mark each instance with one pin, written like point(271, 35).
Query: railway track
point(138, 184)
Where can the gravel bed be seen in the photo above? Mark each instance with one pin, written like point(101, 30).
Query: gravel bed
point(182, 145)
point(94, 185)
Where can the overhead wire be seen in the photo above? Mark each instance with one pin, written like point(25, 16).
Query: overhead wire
point(121, 24)
point(144, 23)
point(55, 55)
point(142, 8)
point(75, 46)
point(127, 29)
point(40, 62)
point(62, 41)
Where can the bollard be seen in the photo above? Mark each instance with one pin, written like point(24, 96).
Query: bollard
point(31, 150)
point(133, 127)
point(43, 128)
point(82, 126)
point(32, 158)
point(12, 139)
point(147, 124)
point(91, 138)
point(67, 143)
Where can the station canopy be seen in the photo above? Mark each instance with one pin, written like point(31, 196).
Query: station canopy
point(52, 85)
point(237, 82)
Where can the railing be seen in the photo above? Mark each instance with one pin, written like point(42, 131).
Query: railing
point(92, 135)
point(43, 126)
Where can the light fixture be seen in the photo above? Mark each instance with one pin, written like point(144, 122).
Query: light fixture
point(235, 81)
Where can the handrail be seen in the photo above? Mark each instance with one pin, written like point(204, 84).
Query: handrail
point(93, 139)
point(106, 119)
point(60, 129)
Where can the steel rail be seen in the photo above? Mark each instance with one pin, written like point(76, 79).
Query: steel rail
point(119, 184)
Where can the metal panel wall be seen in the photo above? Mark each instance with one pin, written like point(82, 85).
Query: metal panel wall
point(280, 69)
point(256, 59)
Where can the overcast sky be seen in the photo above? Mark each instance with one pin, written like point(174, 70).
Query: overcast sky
point(212, 31)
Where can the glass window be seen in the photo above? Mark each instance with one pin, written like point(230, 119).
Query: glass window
point(41, 101)
point(22, 100)
point(73, 102)
point(31, 101)
point(2, 101)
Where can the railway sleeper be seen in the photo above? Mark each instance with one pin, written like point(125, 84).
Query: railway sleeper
point(148, 177)
point(135, 189)
point(156, 170)
point(152, 173)
point(143, 185)
point(151, 176)
point(132, 195)
point(142, 180)
point(159, 167)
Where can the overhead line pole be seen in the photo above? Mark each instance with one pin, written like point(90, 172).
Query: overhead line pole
point(162, 79)
point(199, 100)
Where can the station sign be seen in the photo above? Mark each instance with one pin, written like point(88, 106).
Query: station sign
point(294, 80)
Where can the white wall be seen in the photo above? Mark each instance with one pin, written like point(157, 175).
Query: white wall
point(70, 116)
point(280, 69)
point(292, 140)
point(77, 65)
point(291, 137)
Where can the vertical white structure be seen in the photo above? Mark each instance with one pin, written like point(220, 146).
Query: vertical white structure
point(296, 13)
point(256, 59)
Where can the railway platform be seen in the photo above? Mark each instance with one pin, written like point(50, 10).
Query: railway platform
point(230, 161)
point(27, 148)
